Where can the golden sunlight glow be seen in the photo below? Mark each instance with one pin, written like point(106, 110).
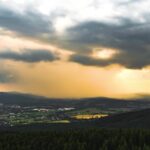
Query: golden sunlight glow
point(58, 79)
point(135, 81)
point(94, 116)
point(104, 53)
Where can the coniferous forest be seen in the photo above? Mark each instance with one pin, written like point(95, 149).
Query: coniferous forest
point(80, 139)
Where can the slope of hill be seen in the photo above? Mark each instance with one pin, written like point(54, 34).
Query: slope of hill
point(135, 119)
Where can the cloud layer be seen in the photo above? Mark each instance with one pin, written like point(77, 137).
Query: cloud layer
point(26, 23)
point(128, 35)
point(131, 39)
point(30, 56)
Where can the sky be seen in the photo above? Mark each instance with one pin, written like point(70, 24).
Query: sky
point(75, 48)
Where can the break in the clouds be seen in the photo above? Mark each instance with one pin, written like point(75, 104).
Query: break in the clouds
point(28, 55)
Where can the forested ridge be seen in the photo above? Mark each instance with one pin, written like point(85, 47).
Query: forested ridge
point(85, 139)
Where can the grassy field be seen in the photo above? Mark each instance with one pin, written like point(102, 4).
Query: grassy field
point(90, 116)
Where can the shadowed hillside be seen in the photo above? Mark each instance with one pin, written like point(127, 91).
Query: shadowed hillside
point(135, 119)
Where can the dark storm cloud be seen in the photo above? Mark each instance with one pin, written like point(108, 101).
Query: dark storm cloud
point(124, 59)
point(88, 60)
point(123, 36)
point(27, 24)
point(130, 38)
point(30, 56)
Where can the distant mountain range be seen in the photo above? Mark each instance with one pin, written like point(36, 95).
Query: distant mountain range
point(13, 98)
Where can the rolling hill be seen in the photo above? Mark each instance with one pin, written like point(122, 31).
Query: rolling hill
point(135, 119)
